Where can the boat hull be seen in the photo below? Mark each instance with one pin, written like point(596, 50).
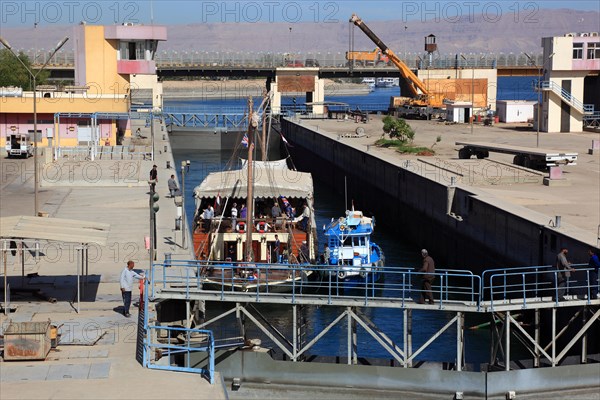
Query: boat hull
point(264, 281)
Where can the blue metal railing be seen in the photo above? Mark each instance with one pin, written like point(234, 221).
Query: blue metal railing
point(536, 282)
point(495, 286)
point(195, 341)
point(187, 276)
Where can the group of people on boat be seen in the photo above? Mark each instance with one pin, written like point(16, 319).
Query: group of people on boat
point(271, 215)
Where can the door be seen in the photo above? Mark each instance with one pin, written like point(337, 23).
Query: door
point(255, 251)
point(565, 109)
point(84, 134)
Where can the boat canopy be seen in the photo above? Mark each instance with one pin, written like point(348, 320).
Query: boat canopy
point(271, 179)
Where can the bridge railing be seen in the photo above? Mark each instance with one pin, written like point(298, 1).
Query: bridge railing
point(261, 280)
point(526, 284)
point(328, 59)
point(169, 346)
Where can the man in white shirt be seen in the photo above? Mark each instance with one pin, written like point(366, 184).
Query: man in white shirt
point(303, 218)
point(127, 277)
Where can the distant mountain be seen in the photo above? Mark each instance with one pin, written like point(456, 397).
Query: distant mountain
point(463, 36)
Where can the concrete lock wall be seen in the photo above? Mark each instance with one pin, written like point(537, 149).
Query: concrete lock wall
point(258, 367)
point(414, 197)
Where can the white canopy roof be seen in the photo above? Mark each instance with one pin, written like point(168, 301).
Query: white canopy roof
point(270, 180)
point(55, 229)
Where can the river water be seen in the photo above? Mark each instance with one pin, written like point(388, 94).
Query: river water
point(331, 205)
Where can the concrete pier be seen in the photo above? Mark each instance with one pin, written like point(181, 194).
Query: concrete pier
point(472, 213)
point(96, 357)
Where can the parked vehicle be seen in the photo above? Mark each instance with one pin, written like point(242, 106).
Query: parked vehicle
point(18, 145)
point(311, 62)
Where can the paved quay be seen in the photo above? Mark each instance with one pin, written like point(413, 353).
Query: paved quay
point(97, 354)
point(511, 187)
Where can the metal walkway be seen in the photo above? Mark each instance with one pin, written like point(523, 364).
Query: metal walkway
point(498, 293)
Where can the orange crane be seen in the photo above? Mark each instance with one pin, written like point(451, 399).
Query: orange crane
point(415, 86)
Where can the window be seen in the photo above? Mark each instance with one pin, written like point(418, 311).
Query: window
point(593, 51)
point(577, 51)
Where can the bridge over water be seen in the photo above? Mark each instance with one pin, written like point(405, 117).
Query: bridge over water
point(503, 296)
point(331, 64)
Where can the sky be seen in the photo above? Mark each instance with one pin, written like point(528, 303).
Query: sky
point(107, 12)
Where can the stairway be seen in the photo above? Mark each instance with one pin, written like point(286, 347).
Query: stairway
point(585, 109)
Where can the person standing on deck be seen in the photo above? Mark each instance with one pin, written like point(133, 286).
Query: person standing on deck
point(234, 215)
point(276, 249)
point(428, 269)
point(243, 212)
point(303, 218)
point(275, 212)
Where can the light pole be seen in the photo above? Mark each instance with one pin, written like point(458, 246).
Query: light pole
point(290, 46)
point(34, 78)
point(472, 92)
point(185, 167)
point(539, 94)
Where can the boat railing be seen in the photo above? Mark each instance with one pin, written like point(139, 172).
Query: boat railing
point(221, 224)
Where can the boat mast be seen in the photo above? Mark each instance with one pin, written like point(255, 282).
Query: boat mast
point(252, 124)
point(263, 146)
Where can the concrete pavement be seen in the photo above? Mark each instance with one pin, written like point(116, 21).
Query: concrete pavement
point(108, 369)
point(497, 179)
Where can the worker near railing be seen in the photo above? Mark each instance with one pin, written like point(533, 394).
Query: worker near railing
point(563, 268)
point(127, 277)
point(594, 263)
point(428, 270)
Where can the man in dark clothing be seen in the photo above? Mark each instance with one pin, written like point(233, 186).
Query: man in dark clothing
point(276, 249)
point(595, 264)
point(153, 178)
point(428, 270)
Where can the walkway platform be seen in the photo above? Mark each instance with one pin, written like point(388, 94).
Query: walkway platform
point(97, 354)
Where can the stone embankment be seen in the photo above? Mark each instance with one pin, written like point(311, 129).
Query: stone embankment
point(232, 89)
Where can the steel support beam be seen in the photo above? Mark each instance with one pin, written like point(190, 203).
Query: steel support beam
point(507, 344)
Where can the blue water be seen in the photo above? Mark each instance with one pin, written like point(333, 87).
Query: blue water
point(509, 88)
point(327, 205)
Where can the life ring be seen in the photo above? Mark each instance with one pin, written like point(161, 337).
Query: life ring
point(342, 227)
point(262, 227)
point(241, 227)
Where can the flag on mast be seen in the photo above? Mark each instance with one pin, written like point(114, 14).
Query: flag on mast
point(245, 140)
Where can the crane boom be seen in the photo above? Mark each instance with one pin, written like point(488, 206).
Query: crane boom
point(415, 83)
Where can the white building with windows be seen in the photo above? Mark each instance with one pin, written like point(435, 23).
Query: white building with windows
point(570, 82)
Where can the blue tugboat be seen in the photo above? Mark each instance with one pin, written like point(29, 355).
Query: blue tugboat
point(356, 258)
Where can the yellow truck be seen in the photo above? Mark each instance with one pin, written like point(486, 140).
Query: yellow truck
point(367, 58)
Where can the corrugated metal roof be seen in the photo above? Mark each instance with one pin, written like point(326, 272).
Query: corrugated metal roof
point(54, 229)
point(270, 180)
